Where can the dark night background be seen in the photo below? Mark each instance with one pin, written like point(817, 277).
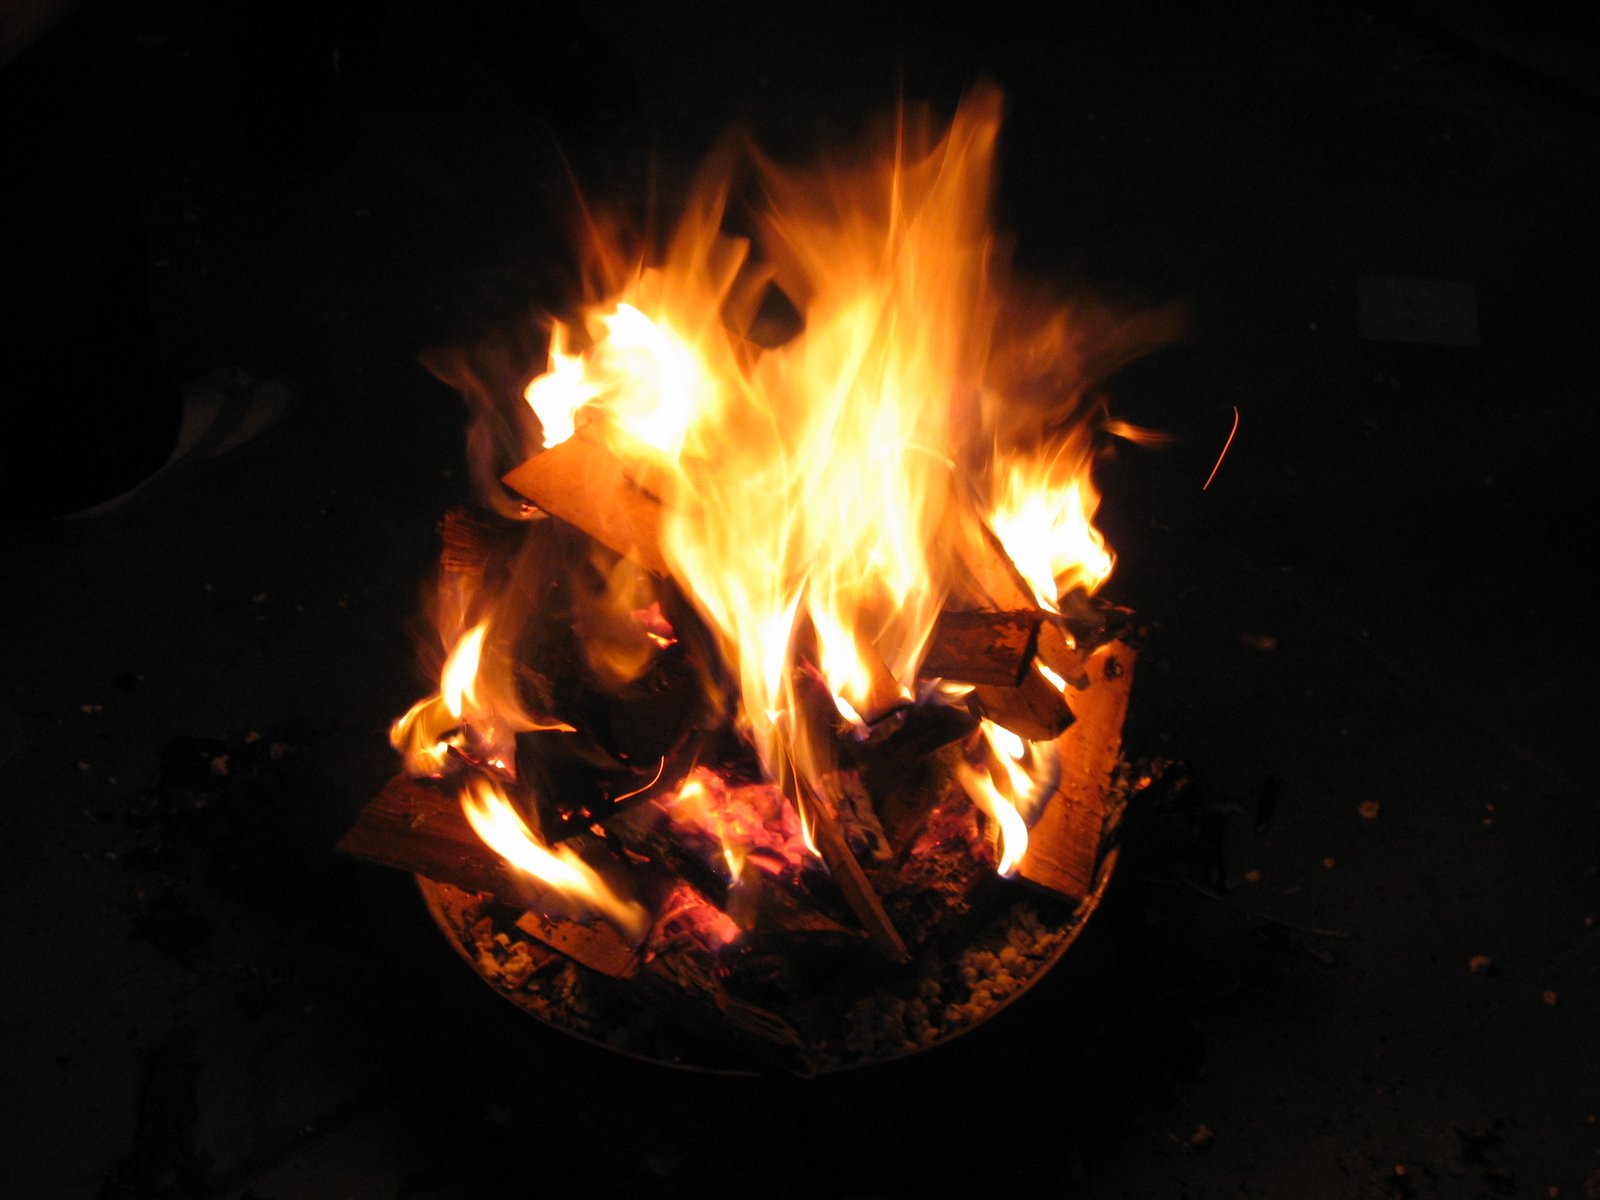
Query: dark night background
point(1381, 601)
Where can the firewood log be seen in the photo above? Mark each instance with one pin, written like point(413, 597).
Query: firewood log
point(1064, 844)
point(846, 872)
point(995, 583)
point(754, 901)
point(1034, 710)
point(582, 482)
point(472, 538)
point(418, 827)
point(982, 647)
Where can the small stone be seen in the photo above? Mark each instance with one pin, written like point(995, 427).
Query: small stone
point(1252, 876)
point(1551, 999)
point(1478, 963)
point(1202, 1137)
point(1259, 641)
point(1327, 864)
point(219, 765)
point(1368, 809)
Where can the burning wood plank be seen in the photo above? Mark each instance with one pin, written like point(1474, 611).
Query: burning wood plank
point(852, 881)
point(1035, 709)
point(594, 945)
point(982, 647)
point(1064, 845)
point(419, 828)
point(582, 482)
point(997, 584)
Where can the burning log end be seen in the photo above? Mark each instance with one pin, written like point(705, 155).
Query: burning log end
point(473, 538)
point(1034, 710)
point(982, 647)
point(595, 945)
point(995, 583)
point(1091, 621)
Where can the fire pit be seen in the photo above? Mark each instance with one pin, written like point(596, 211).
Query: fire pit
point(778, 723)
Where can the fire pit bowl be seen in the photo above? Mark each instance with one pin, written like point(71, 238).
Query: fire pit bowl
point(860, 1020)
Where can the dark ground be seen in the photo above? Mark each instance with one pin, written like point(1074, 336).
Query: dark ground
point(202, 1000)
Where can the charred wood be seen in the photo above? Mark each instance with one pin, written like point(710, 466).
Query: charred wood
point(848, 875)
point(1034, 710)
point(418, 827)
point(982, 647)
point(472, 539)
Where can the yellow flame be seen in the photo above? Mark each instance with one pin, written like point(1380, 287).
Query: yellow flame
point(461, 671)
point(1009, 787)
point(494, 819)
point(811, 484)
point(1043, 517)
point(564, 388)
point(817, 494)
point(703, 806)
point(425, 734)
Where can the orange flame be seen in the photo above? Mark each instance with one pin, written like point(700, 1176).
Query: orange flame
point(434, 725)
point(497, 822)
point(819, 496)
point(1011, 790)
point(813, 489)
point(1043, 517)
point(702, 802)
